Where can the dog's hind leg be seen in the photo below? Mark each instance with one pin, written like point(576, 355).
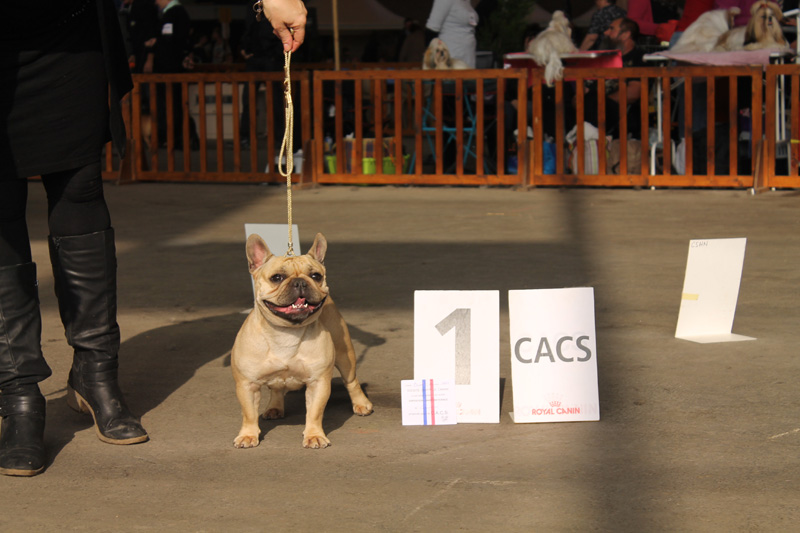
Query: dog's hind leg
point(275, 408)
point(346, 359)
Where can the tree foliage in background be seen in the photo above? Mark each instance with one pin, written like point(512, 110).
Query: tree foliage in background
point(503, 32)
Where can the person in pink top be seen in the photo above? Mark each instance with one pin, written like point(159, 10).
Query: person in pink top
point(691, 11)
point(641, 11)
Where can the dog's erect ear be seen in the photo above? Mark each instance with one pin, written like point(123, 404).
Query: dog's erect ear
point(257, 252)
point(319, 247)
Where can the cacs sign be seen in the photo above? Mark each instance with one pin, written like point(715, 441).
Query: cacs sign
point(553, 355)
point(564, 350)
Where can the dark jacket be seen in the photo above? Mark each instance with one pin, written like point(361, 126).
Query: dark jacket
point(142, 25)
point(172, 41)
point(259, 40)
point(117, 69)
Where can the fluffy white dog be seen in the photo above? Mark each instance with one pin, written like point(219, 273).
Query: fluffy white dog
point(548, 45)
point(437, 57)
point(762, 31)
point(702, 35)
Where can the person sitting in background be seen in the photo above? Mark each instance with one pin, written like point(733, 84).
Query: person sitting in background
point(200, 44)
point(607, 11)
point(413, 47)
point(622, 34)
point(220, 49)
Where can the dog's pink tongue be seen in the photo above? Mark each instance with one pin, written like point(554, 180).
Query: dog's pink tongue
point(296, 306)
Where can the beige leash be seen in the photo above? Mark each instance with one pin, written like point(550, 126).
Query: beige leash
point(286, 146)
point(287, 150)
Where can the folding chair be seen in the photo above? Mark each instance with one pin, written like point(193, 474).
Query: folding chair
point(449, 133)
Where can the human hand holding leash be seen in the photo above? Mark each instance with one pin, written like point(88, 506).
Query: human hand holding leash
point(288, 19)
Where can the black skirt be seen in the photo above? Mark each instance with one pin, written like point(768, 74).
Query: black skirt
point(53, 96)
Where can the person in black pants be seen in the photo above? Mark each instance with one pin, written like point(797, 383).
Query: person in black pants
point(139, 19)
point(261, 50)
point(63, 72)
point(78, 48)
point(140, 26)
point(171, 47)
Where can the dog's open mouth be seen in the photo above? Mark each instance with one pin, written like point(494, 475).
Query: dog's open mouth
point(296, 312)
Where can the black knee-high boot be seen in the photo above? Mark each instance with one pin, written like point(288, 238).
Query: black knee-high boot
point(22, 367)
point(84, 268)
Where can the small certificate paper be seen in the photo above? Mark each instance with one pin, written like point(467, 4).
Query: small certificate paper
point(428, 402)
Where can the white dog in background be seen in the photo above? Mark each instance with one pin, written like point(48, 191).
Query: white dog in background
point(762, 31)
point(702, 35)
point(437, 57)
point(548, 45)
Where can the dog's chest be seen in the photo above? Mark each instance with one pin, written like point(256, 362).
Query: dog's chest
point(293, 366)
point(287, 357)
point(285, 381)
point(291, 362)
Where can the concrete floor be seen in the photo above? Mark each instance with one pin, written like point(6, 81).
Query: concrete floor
point(691, 438)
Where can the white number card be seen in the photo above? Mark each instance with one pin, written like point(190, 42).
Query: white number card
point(277, 238)
point(456, 338)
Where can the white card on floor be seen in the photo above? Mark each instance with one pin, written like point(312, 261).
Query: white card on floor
point(277, 238)
point(710, 291)
point(428, 402)
point(456, 338)
point(553, 355)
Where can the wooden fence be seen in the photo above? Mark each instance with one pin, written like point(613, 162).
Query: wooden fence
point(698, 127)
point(441, 109)
point(208, 145)
point(661, 89)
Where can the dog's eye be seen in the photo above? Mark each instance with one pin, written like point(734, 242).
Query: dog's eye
point(277, 278)
point(316, 276)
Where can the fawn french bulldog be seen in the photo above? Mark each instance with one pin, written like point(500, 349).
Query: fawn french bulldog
point(293, 337)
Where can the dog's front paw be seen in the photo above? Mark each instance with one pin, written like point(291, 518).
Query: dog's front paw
point(316, 442)
point(245, 441)
point(363, 409)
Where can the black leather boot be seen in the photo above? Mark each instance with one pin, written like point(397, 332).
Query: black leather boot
point(85, 272)
point(22, 431)
point(22, 366)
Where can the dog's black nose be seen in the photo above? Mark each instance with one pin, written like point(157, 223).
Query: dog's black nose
point(300, 284)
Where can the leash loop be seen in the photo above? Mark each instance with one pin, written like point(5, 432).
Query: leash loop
point(287, 150)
